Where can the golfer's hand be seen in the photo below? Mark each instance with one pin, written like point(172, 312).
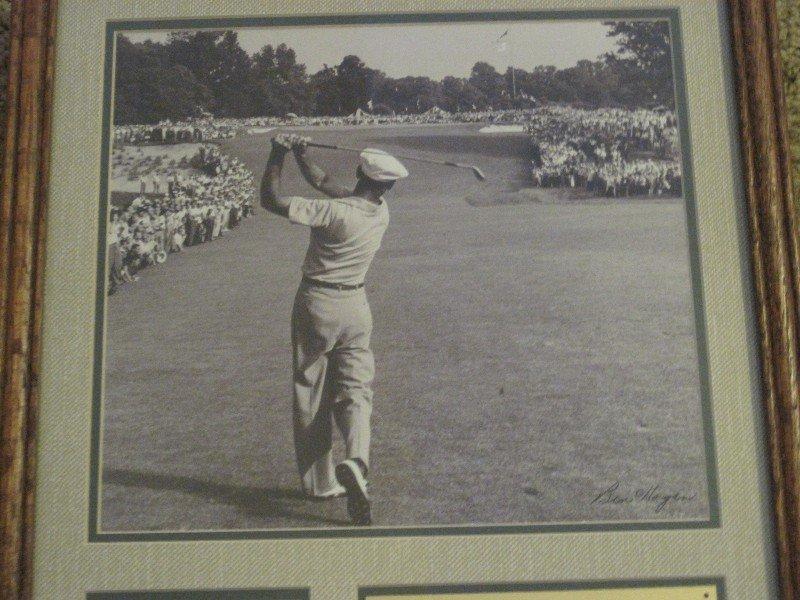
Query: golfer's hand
point(300, 145)
point(281, 144)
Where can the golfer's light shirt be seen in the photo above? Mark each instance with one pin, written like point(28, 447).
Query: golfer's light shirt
point(345, 235)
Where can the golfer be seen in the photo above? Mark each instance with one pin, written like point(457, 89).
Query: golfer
point(333, 365)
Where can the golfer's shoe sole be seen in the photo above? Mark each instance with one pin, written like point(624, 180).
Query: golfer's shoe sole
point(337, 492)
point(349, 474)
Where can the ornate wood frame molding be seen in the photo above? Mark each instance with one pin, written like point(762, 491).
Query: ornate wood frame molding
point(776, 260)
point(22, 221)
point(774, 240)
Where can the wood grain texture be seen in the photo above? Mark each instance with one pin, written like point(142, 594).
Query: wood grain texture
point(774, 244)
point(24, 192)
point(9, 167)
point(26, 581)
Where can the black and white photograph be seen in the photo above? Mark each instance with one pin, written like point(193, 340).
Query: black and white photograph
point(430, 274)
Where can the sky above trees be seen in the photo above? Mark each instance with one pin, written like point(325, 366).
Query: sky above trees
point(431, 49)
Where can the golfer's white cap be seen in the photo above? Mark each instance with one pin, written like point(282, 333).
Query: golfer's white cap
point(381, 166)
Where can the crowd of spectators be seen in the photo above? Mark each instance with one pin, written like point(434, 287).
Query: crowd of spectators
point(191, 210)
point(169, 132)
point(610, 152)
point(632, 130)
point(209, 129)
point(151, 170)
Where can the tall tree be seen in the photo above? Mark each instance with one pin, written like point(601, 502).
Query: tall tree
point(644, 57)
point(458, 94)
point(584, 79)
point(196, 50)
point(230, 77)
point(325, 88)
point(149, 87)
point(279, 83)
point(352, 78)
point(537, 83)
point(485, 78)
point(410, 94)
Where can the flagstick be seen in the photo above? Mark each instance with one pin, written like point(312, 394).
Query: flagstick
point(502, 46)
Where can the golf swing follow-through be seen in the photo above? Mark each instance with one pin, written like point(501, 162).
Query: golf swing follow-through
point(331, 324)
point(445, 163)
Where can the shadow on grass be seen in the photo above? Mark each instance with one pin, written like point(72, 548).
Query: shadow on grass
point(262, 503)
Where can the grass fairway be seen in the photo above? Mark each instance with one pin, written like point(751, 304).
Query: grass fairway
point(529, 356)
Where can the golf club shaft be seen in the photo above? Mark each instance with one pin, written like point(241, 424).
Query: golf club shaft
point(404, 157)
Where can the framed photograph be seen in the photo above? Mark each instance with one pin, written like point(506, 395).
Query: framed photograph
point(383, 301)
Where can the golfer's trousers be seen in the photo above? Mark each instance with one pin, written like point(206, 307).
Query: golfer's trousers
point(333, 369)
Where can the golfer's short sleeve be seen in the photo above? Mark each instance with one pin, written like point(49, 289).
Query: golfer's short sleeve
point(310, 212)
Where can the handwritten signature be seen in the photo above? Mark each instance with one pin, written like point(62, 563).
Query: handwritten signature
point(653, 495)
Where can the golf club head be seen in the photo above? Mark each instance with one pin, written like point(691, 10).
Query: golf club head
point(478, 174)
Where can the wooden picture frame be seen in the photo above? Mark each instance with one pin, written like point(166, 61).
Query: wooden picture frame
point(775, 245)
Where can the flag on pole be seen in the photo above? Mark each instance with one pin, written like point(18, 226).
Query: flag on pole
point(501, 44)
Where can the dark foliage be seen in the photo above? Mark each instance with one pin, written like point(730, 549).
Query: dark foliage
point(208, 71)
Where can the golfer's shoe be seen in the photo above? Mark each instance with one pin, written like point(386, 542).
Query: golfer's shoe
point(349, 474)
point(336, 491)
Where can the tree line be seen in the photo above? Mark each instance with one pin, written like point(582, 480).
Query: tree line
point(196, 72)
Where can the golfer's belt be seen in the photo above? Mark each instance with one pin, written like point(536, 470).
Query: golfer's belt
point(342, 287)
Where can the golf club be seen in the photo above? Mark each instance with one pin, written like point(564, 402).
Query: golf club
point(475, 170)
